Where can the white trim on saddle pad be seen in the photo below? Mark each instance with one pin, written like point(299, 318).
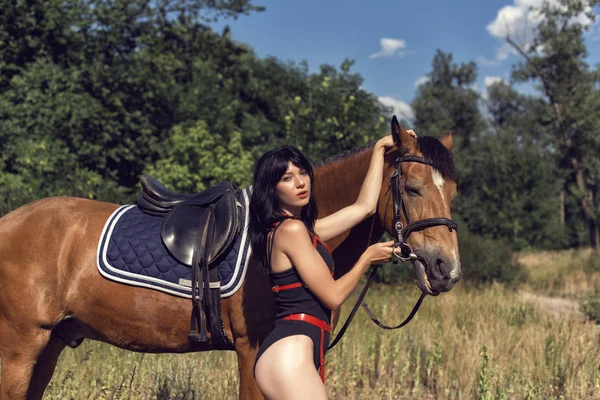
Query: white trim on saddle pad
point(183, 287)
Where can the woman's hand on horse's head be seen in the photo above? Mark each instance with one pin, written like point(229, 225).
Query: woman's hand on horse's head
point(385, 142)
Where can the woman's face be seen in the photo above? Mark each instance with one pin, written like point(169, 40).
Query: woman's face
point(293, 189)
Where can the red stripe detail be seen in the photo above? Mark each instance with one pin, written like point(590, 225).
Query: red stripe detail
point(324, 244)
point(319, 323)
point(324, 326)
point(322, 356)
point(315, 239)
point(278, 289)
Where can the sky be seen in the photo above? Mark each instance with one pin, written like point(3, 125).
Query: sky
point(393, 42)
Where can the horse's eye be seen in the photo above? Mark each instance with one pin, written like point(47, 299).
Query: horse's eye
point(412, 191)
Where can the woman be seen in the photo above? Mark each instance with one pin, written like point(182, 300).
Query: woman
point(289, 241)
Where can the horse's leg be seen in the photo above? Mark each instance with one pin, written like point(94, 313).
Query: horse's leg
point(246, 355)
point(44, 368)
point(20, 348)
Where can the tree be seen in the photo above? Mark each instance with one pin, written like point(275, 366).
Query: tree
point(196, 159)
point(555, 59)
point(332, 113)
point(94, 93)
point(448, 101)
point(96, 84)
point(512, 194)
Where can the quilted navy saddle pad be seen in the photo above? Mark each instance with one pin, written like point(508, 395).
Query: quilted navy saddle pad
point(131, 251)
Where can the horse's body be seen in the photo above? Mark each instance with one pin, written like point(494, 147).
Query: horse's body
point(51, 291)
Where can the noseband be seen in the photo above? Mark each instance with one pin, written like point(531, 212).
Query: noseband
point(406, 251)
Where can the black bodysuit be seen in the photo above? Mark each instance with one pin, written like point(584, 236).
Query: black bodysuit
point(294, 298)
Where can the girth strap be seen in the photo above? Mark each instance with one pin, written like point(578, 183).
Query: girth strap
point(200, 281)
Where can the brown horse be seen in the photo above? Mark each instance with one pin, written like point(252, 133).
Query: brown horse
point(49, 281)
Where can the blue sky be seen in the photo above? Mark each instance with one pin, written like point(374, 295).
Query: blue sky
point(393, 42)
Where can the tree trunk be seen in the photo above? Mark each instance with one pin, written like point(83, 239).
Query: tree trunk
point(596, 231)
point(562, 206)
point(585, 196)
point(594, 234)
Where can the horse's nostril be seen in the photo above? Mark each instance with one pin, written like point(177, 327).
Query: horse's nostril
point(435, 268)
point(442, 269)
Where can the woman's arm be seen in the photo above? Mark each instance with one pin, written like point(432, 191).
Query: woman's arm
point(366, 203)
point(293, 241)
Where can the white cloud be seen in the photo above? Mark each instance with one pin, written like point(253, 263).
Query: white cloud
point(400, 108)
point(389, 47)
point(490, 80)
point(487, 62)
point(422, 80)
point(519, 22)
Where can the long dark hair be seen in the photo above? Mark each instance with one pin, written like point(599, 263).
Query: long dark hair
point(265, 209)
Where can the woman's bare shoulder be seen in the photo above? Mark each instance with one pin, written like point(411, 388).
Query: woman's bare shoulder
point(292, 231)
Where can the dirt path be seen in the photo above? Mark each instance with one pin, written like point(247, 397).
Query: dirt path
point(555, 305)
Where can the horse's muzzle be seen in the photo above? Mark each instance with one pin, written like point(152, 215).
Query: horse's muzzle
point(435, 273)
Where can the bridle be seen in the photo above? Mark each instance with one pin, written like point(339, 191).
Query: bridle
point(406, 252)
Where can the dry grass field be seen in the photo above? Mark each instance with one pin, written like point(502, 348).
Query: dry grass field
point(471, 343)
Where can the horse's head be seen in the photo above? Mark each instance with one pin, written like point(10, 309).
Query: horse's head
point(421, 187)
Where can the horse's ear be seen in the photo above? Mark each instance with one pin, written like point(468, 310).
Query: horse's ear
point(446, 140)
point(402, 138)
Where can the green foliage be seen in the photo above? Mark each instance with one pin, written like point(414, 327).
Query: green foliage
point(93, 95)
point(196, 159)
point(556, 59)
point(483, 383)
point(591, 308)
point(448, 101)
point(484, 260)
point(511, 194)
point(394, 273)
point(333, 113)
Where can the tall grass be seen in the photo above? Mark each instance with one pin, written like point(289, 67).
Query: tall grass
point(490, 343)
point(570, 273)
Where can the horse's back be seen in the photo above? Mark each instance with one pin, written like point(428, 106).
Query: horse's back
point(54, 208)
point(46, 241)
point(45, 225)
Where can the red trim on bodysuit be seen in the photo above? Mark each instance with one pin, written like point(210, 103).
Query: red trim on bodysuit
point(323, 326)
point(277, 289)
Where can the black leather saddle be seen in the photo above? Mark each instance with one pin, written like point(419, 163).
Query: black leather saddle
point(197, 229)
point(184, 213)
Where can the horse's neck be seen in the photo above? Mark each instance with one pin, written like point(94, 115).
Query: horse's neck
point(337, 185)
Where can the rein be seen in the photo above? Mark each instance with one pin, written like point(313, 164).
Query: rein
point(406, 252)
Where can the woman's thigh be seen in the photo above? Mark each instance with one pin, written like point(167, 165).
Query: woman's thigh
point(286, 370)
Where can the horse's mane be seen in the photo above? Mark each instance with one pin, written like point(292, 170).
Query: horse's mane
point(343, 156)
point(431, 148)
point(441, 158)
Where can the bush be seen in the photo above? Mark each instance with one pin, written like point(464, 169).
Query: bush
point(591, 308)
point(487, 260)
